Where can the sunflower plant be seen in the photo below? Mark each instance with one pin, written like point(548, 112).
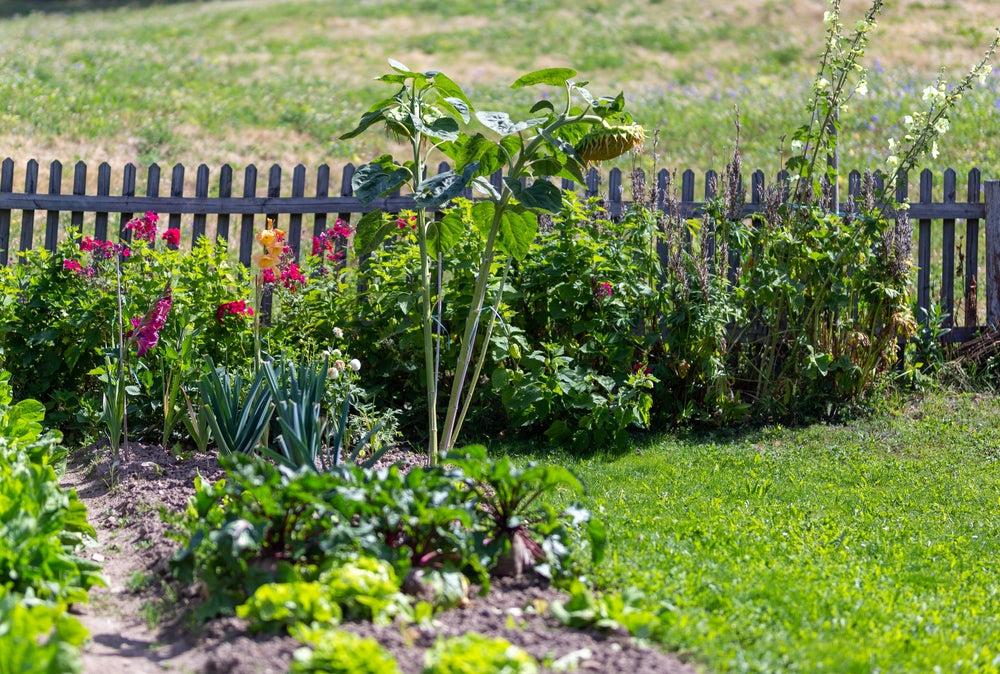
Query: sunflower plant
point(429, 112)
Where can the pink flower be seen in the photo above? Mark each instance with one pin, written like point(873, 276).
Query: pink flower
point(145, 331)
point(292, 277)
point(73, 266)
point(172, 236)
point(144, 227)
point(267, 276)
point(238, 308)
point(603, 289)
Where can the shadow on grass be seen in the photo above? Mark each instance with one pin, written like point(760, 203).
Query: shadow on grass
point(12, 8)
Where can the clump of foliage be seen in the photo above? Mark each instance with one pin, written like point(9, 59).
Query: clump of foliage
point(474, 652)
point(338, 652)
point(435, 528)
point(41, 526)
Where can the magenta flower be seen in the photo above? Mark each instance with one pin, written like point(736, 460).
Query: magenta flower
point(145, 331)
point(144, 227)
point(604, 289)
point(238, 309)
point(292, 277)
point(172, 236)
point(73, 266)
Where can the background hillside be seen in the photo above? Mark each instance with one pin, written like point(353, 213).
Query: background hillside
point(260, 81)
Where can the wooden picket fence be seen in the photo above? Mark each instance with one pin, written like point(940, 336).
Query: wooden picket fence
point(975, 220)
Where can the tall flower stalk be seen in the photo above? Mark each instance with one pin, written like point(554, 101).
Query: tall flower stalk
point(429, 110)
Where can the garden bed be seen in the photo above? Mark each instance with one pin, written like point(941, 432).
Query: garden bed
point(142, 621)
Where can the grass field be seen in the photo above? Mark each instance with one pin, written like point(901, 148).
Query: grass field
point(261, 81)
point(869, 547)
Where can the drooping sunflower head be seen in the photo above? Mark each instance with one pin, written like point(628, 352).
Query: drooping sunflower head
point(609, 141)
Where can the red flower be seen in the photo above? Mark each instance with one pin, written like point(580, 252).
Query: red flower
point(172, 236)
point(73, 266)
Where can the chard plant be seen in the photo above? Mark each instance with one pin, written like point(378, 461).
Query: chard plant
point(429, 111)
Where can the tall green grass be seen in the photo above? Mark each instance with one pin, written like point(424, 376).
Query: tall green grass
point(873, 547)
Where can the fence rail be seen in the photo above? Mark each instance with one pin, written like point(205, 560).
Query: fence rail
point(979, 256)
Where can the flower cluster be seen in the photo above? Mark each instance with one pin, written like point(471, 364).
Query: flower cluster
point(145, 331)
point(98, 251)
point(103, 250)
point(338, 365)
point(276, 262)
point(144, 227)
point(237, 309)
point(75, 267)
point(407, 223)
point(603, 290)
point(172, 236)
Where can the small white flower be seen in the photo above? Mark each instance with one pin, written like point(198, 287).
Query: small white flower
point(796, 145)
point(336, 353)
point(355, 364)
point(862, 88)
point(339, 365)
point(338, 333)
point(942, 125)
point(934, 150)
point(822, 84)
point(892, 144)
point(893, 161)
point(333, 373)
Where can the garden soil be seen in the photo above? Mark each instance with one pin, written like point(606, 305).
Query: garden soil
point(141, 622)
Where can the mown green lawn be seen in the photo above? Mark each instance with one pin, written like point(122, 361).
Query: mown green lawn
point(866, 547)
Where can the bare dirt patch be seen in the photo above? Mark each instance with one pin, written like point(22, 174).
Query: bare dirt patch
point(141, 622)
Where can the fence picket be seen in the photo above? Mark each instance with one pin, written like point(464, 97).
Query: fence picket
point(295, 219)
point(128, 190)
point(924, 247)
point(52, 217)
point(972, 254)
point(225, 192)
point(176, 191)
point(199, 223)
point(28, 216)
point(79, 190)
point(322, 192)
point(948, 254)
point(246, 224)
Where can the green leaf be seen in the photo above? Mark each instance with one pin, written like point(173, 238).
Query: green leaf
point(443, 187)
point(482, 216)
point(372, 181)
point(442, 128)
point(445, 232)
point(543, 104)
point(399, 67)
point(541, 195)
point(475, 148)
point(367, 120)
point(504, 125)
point(371, 231)
point(517, 231)
point(458, 106)
point(553, 76)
